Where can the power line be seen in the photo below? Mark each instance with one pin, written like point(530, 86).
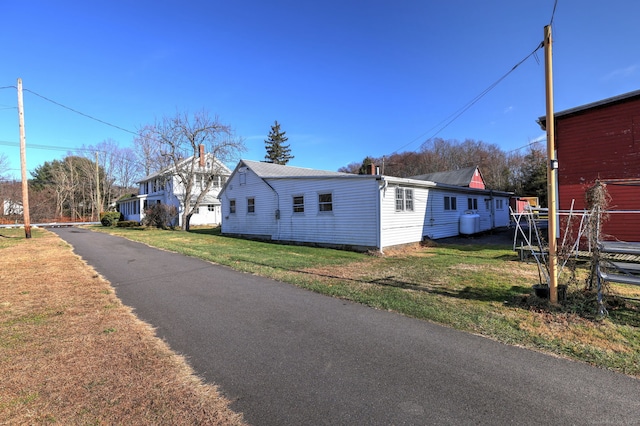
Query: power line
point(80, 113)
point(454, 116)
point(49, 147)
point(555, 4)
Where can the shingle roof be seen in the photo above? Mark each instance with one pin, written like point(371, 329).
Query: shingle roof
point(271, 170)
point(460, 177)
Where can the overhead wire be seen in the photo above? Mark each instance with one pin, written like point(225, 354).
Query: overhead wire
point(80, 113)
point(553, 13)
point(50, 147)
point(455, 115)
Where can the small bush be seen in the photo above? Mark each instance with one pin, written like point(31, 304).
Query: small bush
point(110, 218)
point(161, 216)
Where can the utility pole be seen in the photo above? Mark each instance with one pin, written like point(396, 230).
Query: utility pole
point(23, 165)
point(98, 200)
point(552, 167)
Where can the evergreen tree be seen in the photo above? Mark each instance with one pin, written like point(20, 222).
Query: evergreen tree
point(534, 172)
point(367, 163)
point(277, 151)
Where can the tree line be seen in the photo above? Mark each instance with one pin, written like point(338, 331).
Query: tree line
point(522, 172)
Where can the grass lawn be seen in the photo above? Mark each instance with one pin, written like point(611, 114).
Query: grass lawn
point(482, 289)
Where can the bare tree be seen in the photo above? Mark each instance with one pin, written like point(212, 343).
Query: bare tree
point(148, 151)
point(501, 170)
point(118, 170)
point(178, 140)
point(4, 166)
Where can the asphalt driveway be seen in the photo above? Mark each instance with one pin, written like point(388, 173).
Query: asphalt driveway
point(287, 356)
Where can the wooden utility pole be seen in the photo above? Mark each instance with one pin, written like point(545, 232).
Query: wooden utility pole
point(23, 165)
point(98, 200)
point(552, 166)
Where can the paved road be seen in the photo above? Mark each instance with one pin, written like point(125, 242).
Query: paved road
point(288, 356)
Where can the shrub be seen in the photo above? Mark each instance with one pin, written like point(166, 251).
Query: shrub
point(110, 218)
point(161, 216)
point(127, 224)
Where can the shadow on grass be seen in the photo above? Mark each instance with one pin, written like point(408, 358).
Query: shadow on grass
point(488, 294)
point(583, 303)
point(624, 311)
point(621, 311)
point(207, 231)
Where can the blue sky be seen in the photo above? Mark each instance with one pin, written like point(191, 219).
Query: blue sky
point(345, 79)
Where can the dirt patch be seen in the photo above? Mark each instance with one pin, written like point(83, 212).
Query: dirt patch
point(497, 237)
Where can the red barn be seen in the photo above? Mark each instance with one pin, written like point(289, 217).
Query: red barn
point(601, 141)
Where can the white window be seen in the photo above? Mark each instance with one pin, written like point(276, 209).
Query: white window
point(450, 203)
point(298, 204)
point(472, 203)
point(232, 206)
point(404, 199)
point(211, 207)
point(399, 199)
point(499, 204)
point(251, 205)
point(325, 202)
point(408, 200)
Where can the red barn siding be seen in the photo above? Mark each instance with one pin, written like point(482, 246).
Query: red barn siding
point(602, 143)
point(477, 181)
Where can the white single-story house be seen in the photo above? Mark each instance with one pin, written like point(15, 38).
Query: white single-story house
point(164, 187)
point(360, 212)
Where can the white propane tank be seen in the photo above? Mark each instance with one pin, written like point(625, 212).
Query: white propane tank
point(469, 223)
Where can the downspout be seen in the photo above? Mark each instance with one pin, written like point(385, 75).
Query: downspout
point(492, 210)
point(277, 212)
point(382, 188)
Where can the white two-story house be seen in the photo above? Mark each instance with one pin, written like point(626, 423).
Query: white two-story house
point(165, 187)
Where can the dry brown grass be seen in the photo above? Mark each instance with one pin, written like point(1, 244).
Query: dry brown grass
point(71, 353)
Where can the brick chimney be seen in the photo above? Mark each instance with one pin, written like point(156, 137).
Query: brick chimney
point(201, 155)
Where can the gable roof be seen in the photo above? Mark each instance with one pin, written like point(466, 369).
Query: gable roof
point(272, 170)
point(167, 170)
point(460, 177)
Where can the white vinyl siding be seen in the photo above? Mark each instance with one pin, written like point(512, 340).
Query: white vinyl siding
point(349, 211)
point(339, 211)
point(336, 211)
point(407, 227)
